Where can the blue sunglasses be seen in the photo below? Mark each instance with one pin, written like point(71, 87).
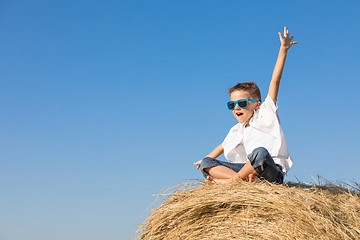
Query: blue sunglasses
point(242, 103)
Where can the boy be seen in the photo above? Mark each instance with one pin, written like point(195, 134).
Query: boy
point(255, 146)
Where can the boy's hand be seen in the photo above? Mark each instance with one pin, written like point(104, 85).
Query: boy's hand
point(286, 42)
point(198, 164)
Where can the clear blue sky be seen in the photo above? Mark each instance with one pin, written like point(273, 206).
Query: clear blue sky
point(105, 103)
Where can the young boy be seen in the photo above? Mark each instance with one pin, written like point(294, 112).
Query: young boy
point(256, 146)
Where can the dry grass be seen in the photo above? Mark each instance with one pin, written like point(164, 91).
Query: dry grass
point(255, 211)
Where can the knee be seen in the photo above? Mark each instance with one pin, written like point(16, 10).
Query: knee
point(260, 158)
point(205, 165)
point(206, 162)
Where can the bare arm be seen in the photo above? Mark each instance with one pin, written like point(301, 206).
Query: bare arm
point(214, 154)
point(286, 43)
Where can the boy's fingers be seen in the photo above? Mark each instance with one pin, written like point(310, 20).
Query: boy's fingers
point(197, 165)
point(280, 35)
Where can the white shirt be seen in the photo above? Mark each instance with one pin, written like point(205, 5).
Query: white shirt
point(264, 131)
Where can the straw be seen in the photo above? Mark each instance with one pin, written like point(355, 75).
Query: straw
point(260, 210)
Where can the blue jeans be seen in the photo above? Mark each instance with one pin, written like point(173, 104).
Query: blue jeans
point(260, 160)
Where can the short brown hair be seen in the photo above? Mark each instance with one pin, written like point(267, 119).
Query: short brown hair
point(249, 87)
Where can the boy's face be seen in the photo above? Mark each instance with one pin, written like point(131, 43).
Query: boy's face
point(243, 114)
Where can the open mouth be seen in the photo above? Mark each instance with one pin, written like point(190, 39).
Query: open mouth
point(239, 114)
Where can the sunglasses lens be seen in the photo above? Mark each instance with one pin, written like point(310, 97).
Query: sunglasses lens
point(242, 103)
point(231, 105)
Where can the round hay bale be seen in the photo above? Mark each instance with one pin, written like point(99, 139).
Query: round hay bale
point(259, 210)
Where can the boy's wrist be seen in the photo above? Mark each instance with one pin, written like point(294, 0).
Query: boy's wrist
point(284, 48)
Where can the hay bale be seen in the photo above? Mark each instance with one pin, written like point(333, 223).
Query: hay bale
point(255, 211)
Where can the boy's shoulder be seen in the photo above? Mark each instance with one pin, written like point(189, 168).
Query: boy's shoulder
point(269, 104)
point(266, 119)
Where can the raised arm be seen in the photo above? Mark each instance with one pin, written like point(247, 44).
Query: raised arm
point(286, 43)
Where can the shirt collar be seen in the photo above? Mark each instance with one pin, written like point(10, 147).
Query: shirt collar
point(254, 117)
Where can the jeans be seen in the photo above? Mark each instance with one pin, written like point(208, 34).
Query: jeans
point(260, 160)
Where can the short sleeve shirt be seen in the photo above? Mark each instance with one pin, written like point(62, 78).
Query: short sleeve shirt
point(264, 131)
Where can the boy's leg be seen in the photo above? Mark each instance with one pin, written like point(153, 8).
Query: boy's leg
point(247, 172)
point(218, 169)
point(221, 172)
point(210, 179)
point(261, 162)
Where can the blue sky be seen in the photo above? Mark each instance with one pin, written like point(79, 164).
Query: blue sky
point(105, 103)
